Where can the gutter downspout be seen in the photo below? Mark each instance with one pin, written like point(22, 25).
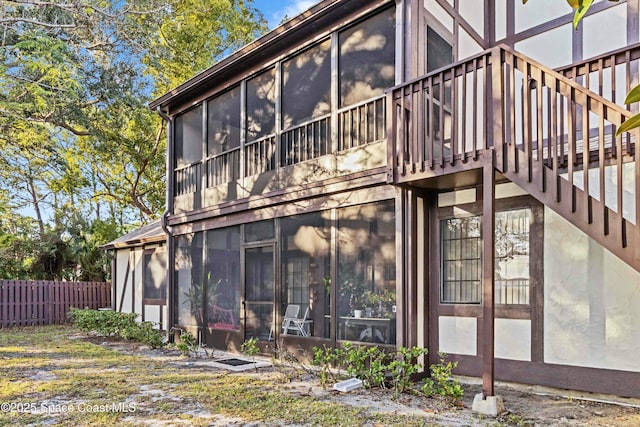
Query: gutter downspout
point(164, 224)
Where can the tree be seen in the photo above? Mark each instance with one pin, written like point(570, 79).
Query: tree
point(79, 148)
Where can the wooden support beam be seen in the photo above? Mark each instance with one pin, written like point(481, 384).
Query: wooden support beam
point(488, 290)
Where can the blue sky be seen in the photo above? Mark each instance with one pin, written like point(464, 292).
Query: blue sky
point(275, 10)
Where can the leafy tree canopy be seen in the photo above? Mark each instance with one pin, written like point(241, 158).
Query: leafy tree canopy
point(79, 148)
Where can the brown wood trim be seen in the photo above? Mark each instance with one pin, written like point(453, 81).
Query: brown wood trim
point(374, 193)
point(412, 271)
point(401, 276)
point(633, 16)
point(133, 282)
point(363, 179)
point(461, 310)
point(536, 280)
point(593, 380)
point(416, 60)
point(434, 279)
point(277, 45)
point(153, 302)
point(333, 271)
point(114, 277)
point(458, 20)
point(490, 22)
point(475, 310)
point(426, 200)
point(488, 276)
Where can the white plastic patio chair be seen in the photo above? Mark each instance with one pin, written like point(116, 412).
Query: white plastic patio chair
point(289, 317)
point(301, 325)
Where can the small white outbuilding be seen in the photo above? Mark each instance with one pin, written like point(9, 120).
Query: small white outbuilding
point(139, 274)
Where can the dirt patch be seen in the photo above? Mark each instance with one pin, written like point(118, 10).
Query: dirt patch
point(165, 388)
point(526, 406)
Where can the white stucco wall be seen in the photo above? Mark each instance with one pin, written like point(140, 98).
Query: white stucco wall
point(152, 314)
point(133, 291)
point(457, 335)
point(138, 282)
point(591, 299)
point(122, 277)
point(513, 339)
point(611, 187)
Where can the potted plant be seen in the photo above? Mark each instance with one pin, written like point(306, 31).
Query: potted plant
point(202, 293)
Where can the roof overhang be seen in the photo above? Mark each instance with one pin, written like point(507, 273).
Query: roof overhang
point(295, 31)
point(148, 234)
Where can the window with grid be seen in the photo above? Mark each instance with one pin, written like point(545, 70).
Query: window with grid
point(461, 260)
point(512, 256)
point(461, 243)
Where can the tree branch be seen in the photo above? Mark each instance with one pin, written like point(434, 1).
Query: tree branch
point(36, 22)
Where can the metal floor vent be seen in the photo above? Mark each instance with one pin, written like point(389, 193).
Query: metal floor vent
point(238, 364)
point(235, 362)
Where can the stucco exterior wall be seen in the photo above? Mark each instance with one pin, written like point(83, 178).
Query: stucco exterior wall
point(123, 276)
point(128, 285)
point(458, 335)
point(591, 300)
point(137, 281)
point(513, 339)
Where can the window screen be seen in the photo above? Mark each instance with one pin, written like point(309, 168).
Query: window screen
point(188, 137)
point(261, 106)
point(155, 275)
point(439, 51)
point(258, 231)
point(512, 256)
point(306, 90)
point(367, 58)
point(223, 122)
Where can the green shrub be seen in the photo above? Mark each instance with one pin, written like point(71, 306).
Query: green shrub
point(403, 366)
point(187, 344)
point(379, 369)
point(111, 323)
point(365, 363)
point(441, 381)
point(325, 358)
point(250, 348)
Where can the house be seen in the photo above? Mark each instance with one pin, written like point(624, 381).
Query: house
point(139, 274)
point(437, 173)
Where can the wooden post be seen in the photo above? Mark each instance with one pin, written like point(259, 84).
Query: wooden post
point(488, 290)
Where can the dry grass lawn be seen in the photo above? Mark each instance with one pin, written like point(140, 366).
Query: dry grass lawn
point(56, 375)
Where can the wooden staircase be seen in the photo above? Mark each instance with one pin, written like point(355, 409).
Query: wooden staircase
point(544, 129)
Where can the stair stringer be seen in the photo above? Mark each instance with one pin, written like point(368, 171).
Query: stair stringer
point(569, 202)
point(566, 129)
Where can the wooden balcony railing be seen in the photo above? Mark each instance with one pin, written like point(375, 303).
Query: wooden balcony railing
point(187, 178)
point(440, 118)
point(260, 155)
point(223, 167)
point(306, 141)
point(359, 124)
point(611, 75)
point(550, 135)
point(362, 123)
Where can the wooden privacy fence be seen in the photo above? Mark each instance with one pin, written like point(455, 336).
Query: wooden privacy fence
point(26, 303)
